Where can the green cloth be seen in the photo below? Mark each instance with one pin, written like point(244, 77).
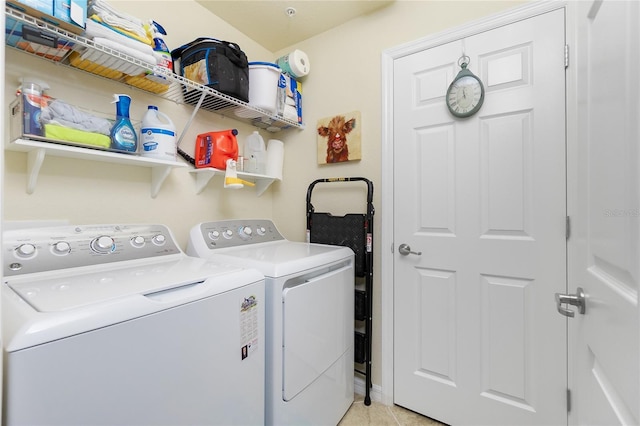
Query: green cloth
point(80, 137)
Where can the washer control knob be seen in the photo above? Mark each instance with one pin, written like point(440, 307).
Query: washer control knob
point(245, 232)
point(159, 239)
point(228, 234)
point(26, 250)
point(137, 241)
point(261, 230)
point(214, 235)
point(61, 248)
point(103, 245)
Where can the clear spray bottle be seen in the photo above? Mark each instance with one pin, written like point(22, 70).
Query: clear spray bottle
point(123, 135)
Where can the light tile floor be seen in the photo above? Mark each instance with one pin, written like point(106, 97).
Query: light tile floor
point(378, 414)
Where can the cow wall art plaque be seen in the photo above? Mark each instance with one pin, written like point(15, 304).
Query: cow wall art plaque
point(339, 138)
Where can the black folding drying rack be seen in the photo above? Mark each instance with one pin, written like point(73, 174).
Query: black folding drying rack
point(353, 230)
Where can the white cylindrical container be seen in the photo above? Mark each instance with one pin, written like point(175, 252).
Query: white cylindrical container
point(157, 135)
point(263, 85)
point(275, 158)
point(296, 63)
point(255, 154)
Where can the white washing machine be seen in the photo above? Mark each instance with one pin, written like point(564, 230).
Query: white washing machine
point(309, 315)
point(115, 325)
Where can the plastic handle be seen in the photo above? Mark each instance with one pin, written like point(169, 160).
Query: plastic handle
point(233, 181)
point(175, 294)
point(165, 117)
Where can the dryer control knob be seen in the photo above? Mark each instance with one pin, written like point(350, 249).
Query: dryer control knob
point(137, 241)
point(159, 239)
point(26, 250)
point(228, 234)
point(261, 230)
point(103, 245)
point(61, 248)
point(214, 235)
point(245, 232)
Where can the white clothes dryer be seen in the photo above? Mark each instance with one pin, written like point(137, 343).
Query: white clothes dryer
point(309, 316)
point(115, 325)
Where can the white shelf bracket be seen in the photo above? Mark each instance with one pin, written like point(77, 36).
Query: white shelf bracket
point(35, 159)
point(158, 176)
point(262, 185)
point(203, 176)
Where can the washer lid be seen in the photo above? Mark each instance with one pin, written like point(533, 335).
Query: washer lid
point(73, 288)
point(280, 258)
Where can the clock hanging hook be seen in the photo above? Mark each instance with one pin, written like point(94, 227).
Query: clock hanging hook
point(463, 61)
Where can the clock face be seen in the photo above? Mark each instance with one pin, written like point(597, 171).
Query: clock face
point(465, 96)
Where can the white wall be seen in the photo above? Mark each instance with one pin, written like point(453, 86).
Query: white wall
point(345, 76)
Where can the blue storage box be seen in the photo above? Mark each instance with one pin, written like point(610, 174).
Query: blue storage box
point(69, 15)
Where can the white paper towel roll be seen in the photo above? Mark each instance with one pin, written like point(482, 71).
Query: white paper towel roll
point(275, 158)
point(295, 63)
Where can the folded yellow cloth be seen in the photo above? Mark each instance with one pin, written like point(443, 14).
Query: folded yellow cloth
point(80, 137)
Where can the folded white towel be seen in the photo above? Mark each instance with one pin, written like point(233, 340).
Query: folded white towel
point(290, 112)
point(103, 5)
point(130, 69)
point(107, 60)
point(135, 53)
point(96, 29)
point(91, 55)
point(118, 19)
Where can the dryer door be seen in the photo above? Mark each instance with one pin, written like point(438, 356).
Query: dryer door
point(317, 327)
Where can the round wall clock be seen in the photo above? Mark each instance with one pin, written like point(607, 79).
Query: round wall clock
point(465, 93)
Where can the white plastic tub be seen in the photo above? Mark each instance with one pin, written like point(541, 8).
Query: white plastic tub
point(263, 85)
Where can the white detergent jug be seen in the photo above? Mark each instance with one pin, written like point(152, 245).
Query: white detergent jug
point(255, 154)
point(157, 135)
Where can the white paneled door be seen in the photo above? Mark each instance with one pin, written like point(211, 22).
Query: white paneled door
point(478, 339)
point(605, 245)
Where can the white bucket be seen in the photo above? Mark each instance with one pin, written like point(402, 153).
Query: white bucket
point(296, 64)
point(157, 135)
point(263, 85)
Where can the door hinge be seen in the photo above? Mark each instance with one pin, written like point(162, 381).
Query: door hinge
point(568, 400)
point(568, 227)
point(566, 56)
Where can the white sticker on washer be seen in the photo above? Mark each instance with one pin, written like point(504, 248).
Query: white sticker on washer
point(248, 326)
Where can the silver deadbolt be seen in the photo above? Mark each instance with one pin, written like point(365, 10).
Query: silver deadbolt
point(577, 300)
point(405, 250)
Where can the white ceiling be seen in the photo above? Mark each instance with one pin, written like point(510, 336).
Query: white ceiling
point(267, 21)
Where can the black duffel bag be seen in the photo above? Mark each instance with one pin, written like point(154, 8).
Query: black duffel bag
point(220, 65)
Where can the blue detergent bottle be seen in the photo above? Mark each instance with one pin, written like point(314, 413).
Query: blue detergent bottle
point(123, 135)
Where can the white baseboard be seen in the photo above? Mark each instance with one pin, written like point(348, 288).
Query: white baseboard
point(359, 387)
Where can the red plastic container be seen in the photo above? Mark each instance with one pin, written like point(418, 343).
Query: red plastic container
point(213, 149)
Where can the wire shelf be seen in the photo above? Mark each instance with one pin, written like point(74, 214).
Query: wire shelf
point(168, 84)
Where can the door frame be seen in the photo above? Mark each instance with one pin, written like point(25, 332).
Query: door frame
point(387, 218)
